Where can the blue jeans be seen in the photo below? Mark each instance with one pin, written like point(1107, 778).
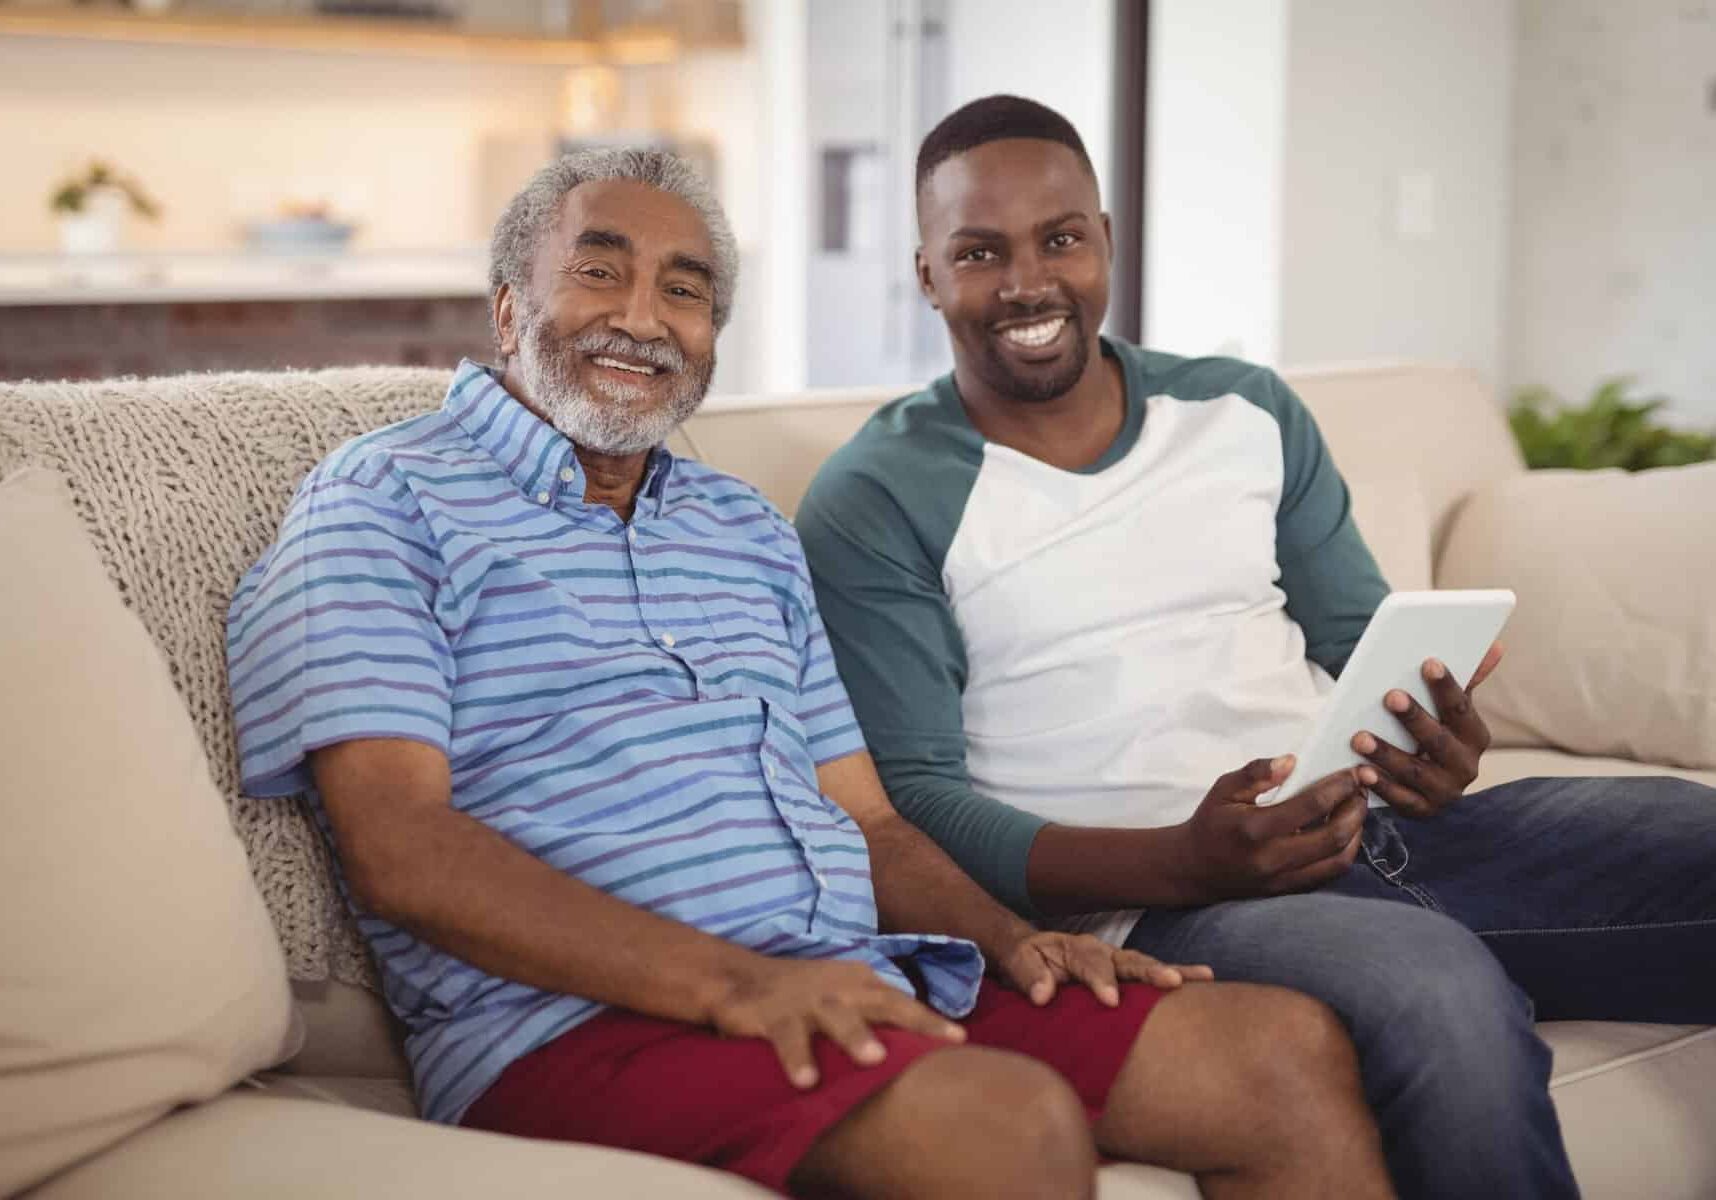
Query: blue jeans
point(1546, 899)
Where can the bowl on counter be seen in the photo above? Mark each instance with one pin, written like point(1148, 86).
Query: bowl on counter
point(298, 235)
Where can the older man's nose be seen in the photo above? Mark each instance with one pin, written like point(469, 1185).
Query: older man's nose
point(638, 317)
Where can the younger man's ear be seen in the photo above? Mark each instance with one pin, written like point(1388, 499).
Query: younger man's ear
point(1108, 235)
point(920, 264)
point(506, 327)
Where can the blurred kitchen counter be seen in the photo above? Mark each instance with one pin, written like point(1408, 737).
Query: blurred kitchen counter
point(54, 279)
point(163, 314)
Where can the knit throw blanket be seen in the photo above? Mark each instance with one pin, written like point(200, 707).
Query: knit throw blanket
point(181, 483)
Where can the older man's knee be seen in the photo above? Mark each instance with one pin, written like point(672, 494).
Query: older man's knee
point(1309, 1035)
point(1016, 1116)
point(965, 1121)
point(1009, 1104)
point(1294, 1059)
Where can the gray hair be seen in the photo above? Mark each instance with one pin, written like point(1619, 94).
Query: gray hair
point(531, 214)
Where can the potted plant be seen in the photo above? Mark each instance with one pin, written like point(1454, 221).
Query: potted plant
point(91, 209)
point(1611, 430)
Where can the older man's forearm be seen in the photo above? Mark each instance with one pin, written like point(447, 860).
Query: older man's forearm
point(462, 886)
point(919, 888)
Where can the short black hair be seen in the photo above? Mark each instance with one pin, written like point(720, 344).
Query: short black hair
point(989, 120)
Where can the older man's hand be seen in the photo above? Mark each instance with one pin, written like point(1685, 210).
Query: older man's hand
point(1039, 963)
point(789, 1001)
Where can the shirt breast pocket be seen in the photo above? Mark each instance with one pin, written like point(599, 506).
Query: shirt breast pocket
point(752, 643)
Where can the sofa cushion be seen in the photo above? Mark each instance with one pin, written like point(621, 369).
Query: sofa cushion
point(348, 1030)
point(181, 482)
point(1506, 764)
point(140, 970)
point(1612, 650)
point(1636, 1107)
point(265, 1147)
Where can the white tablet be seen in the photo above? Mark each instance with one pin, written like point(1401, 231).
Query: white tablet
point(1457, 627)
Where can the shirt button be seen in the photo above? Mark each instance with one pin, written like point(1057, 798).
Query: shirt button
point(567, 475)
point(821, 880)
point(631, 534)
point(543, 497)
point(667, 640)
point(771, 772)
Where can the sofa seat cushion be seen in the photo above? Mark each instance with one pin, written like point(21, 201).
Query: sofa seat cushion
point(1505, 764)
point(265, 1147)
point(1637, 1107)
point(138, 966)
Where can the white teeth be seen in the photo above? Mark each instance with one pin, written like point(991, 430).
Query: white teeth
point(1040, 334)
point(602, 361)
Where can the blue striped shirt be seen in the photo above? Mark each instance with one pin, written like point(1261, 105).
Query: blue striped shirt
point(641, 706)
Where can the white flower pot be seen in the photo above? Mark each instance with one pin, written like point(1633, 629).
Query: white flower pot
point(98, 228)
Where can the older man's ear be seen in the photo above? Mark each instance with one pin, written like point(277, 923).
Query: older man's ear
point(505, 328)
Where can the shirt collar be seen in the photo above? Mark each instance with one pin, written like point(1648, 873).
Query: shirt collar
point(537, 457)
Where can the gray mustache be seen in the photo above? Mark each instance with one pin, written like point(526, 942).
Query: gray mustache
point(663, 356)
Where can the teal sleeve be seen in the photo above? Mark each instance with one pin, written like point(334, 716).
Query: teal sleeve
point(898, 648)
point(1332, 582)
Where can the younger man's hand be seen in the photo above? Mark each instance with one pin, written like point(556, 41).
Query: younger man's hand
point(1232, 849)
point(1423, 784)
point(1040, 962)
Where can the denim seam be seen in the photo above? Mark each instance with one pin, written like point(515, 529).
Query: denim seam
point(1424, 898)
point(1601, 928)
point(1381, 868)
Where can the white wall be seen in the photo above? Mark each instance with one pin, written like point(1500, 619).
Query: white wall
point(1212, 177)
point(1278, 135)
point(1386, 96)
point(1059, 54)
point(1614, 220)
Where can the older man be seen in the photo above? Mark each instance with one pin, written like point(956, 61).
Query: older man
point(565, 707)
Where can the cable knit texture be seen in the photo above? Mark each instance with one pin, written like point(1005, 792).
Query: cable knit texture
point(181, 483)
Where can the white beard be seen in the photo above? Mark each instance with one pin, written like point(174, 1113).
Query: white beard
point(608, 417)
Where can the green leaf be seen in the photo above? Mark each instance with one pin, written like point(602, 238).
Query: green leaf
point(1612, 429)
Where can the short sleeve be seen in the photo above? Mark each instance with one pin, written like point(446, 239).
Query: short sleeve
point(332, 635)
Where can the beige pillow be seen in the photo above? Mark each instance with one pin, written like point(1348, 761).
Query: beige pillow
point(138, 968)
point(1612, 650)
point(1392, 518)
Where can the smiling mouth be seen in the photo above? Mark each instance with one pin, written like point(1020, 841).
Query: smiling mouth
point(1034, 335)
point(615, 364)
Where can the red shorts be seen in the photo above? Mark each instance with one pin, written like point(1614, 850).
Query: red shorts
point(680, 1091)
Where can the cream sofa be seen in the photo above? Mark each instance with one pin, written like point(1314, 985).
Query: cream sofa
point(1637, 1102)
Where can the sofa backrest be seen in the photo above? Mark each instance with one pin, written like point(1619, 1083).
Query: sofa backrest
point(1439, 426)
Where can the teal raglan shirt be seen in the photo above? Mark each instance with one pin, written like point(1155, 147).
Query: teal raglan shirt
point(917, 525)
